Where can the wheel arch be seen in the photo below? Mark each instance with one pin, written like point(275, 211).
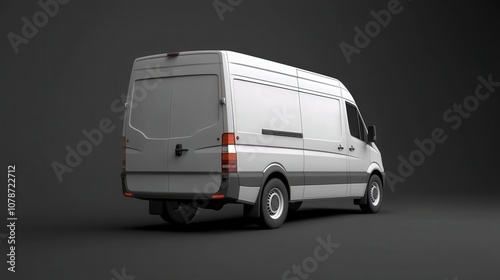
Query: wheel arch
point(273, 170)
point(375, 169)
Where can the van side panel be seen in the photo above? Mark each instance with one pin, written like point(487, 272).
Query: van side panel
point(267, 121)
point(265, 114)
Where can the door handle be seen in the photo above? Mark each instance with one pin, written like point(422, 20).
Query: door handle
point(351, 148)
point(179, 150)
point(340, 148)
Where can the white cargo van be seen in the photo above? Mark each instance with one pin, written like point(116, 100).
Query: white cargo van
point(207, 128)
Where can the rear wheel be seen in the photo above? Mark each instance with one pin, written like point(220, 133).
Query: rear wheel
point(179, 213)
point(374, 195)
point(274, 204)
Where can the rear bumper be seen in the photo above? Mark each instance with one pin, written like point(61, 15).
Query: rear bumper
point(230, 188)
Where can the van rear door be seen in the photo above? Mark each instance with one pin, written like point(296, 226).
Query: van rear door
point(196, 127)
point(174, 126)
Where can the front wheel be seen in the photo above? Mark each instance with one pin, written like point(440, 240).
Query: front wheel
point(274, 204)
point(374, 195)
point(178, 213)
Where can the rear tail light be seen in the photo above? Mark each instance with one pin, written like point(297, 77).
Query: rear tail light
point(124, 164)
point(124, 154)
point(229, 164)
point(127, 194)
point(227, 139)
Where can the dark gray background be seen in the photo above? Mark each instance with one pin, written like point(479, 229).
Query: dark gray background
point(441, 222)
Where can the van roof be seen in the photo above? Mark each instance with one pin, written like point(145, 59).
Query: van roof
point(239, 58)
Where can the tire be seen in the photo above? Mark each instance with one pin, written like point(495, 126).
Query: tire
point(274, 204)
point(178, 213)
point(294, 206)
point(374, 195)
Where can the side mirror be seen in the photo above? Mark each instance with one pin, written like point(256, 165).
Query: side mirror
point(372, 134)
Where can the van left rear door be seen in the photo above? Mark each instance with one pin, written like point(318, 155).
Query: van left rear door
point(147, 131)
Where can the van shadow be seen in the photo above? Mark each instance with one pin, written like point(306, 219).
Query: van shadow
point(242, 223)
point(319, 213)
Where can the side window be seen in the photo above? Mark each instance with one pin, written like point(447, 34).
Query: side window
point(352, 117)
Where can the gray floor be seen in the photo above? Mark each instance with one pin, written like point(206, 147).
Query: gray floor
point(412, 238)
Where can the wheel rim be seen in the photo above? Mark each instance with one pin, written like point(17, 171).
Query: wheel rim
point(275, 203)
point(375, 194)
